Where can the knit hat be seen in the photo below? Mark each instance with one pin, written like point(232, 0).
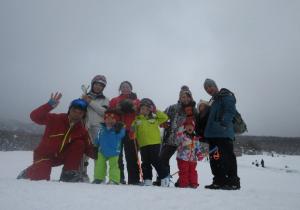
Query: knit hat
point(100, 79)
point(189, 122)
point(203, 102)
point(209, 83)
point(185, 90)
point(127, 82)
point(111, 113)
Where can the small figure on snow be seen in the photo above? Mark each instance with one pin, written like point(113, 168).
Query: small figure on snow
point(262, 162)
point(256, 163)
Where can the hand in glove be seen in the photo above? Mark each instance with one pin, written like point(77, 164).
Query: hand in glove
point(118, 126)
point(200, 156)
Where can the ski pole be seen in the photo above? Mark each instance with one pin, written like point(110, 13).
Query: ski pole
point(138, 159)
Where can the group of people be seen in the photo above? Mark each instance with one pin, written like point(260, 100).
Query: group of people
point(102, 129)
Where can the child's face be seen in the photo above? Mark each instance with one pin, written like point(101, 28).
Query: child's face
point(110, 121)
point(145, 110)
point(189, 129)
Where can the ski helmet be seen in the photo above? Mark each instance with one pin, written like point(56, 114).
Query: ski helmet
point(79, 104)
point(100, 79)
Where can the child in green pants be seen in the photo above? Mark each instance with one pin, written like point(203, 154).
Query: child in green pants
point(108, 142)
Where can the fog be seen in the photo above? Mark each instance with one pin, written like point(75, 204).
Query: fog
point(250, 47)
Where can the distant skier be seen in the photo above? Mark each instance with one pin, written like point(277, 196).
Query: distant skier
point(262, 162)
point(256, 163)
point(64, 142)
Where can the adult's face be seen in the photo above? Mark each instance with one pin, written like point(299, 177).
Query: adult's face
point(98, 87)
point(212, 90)
point(185, 99)
point(125, 89)
point(75, 114)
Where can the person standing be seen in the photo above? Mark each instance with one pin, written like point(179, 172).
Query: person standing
point(97, 105)
point(108, 142)
point(188, 153)
point(64, 141)
point(178, 113)
point(146, 127)
point(219, 133)
point(126, 104)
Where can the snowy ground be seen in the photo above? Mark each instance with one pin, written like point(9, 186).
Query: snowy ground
point(274, 187)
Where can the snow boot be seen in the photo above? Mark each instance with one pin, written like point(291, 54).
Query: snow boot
point(97, 181)
point(70, 176)
point(165, 182)
point(112, 183)
point(22, 175)
point(231, 187)
point(213, 186)
point(147, 182)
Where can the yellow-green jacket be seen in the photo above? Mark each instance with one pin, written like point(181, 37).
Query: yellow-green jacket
point(147, 129)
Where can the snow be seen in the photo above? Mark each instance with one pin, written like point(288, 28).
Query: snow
point(274, 187)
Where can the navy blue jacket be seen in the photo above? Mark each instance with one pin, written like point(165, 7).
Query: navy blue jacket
point(222, 111)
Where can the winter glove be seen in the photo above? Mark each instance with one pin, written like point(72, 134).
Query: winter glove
point(131, 135)
point(200, 156)
point(127, 106)
point(165, 125)
point(118, 126)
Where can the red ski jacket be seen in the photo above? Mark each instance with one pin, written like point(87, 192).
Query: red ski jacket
point(59, 133)
point(127, 119)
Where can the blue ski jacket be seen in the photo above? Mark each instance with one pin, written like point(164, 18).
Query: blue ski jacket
point(108, 141)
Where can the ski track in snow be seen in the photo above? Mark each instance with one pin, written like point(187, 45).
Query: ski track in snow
point(273, 187)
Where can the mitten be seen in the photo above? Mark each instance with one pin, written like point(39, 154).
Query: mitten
point(200, 156)
point(118, 126)
point(126, 106)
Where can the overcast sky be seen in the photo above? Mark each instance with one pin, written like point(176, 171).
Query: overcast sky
point(250, 47)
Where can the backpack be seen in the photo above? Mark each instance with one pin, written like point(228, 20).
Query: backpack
point(239, 125)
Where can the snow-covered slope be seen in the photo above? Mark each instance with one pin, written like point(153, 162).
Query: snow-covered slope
point(274, 187)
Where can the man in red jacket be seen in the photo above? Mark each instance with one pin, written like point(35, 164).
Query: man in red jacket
point(64, 142)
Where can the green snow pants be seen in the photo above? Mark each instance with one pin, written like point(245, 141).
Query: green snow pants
point(101, 168)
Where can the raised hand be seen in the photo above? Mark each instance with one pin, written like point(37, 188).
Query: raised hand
point(54, 99)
